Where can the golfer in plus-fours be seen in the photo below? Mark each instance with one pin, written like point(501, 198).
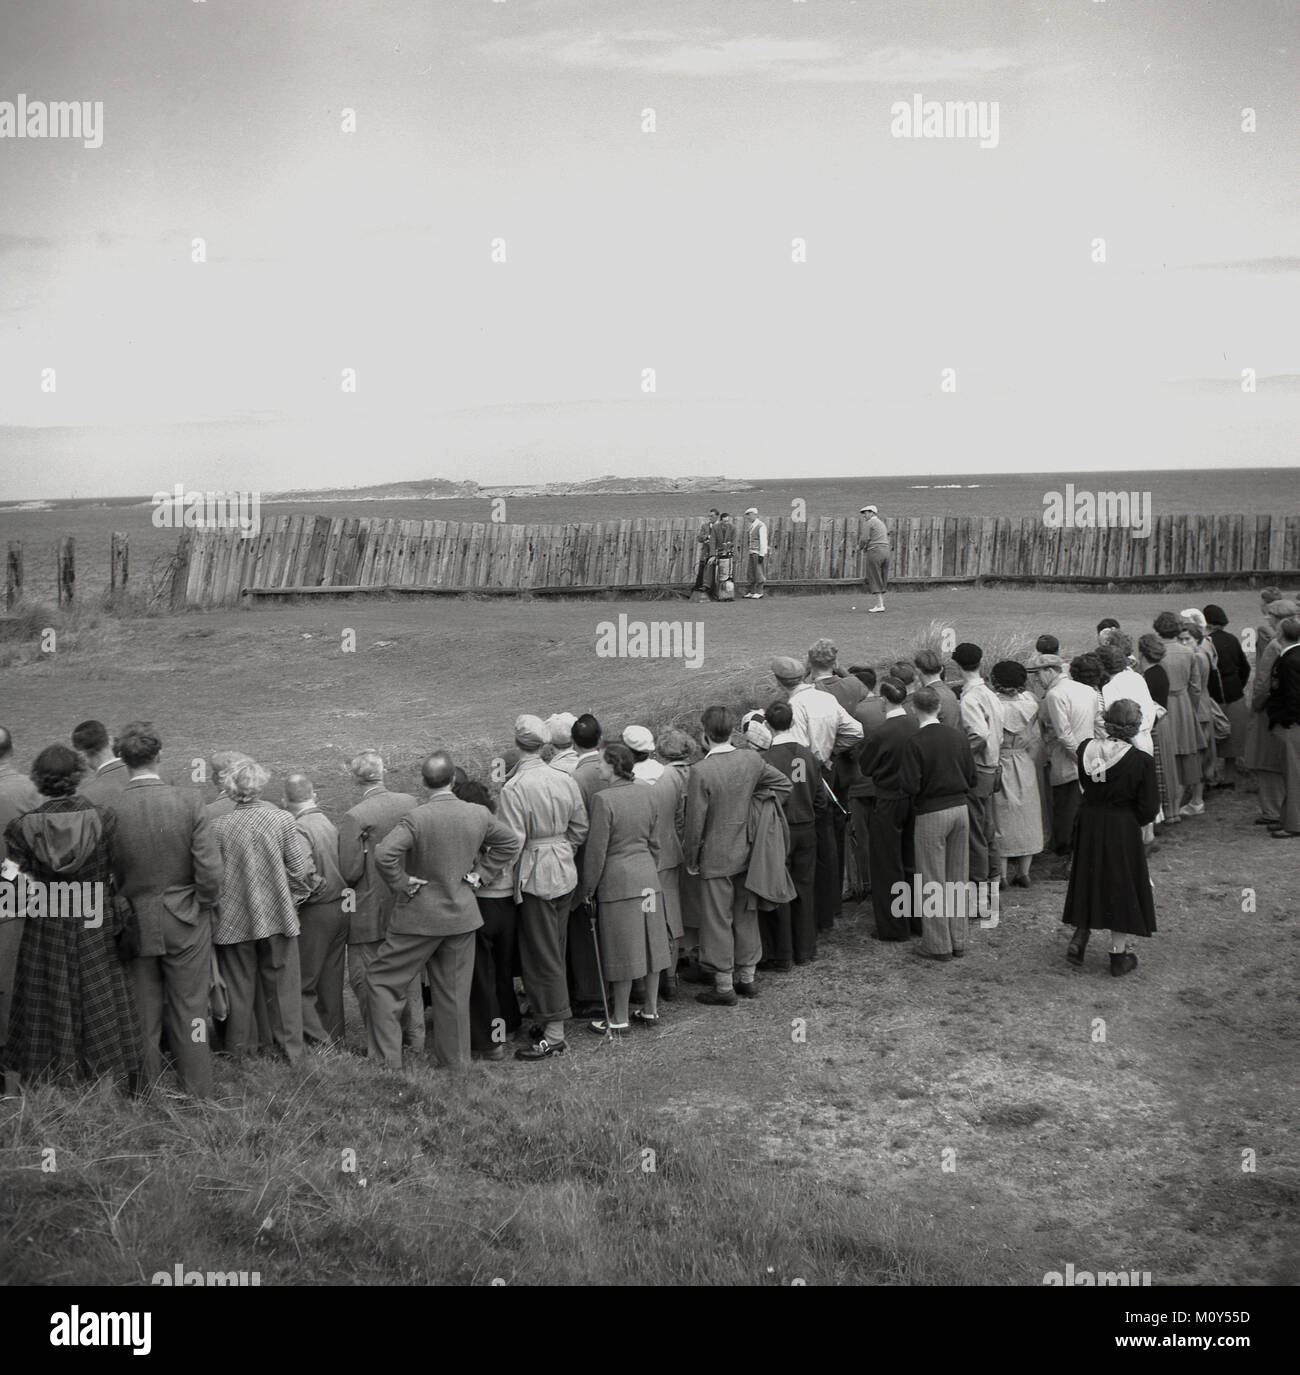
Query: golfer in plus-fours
point(874, 542)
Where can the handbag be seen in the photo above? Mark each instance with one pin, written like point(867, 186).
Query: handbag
point(1219, 719)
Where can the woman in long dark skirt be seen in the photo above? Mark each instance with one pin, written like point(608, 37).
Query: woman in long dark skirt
point(1110, 889)
point(73, 1015)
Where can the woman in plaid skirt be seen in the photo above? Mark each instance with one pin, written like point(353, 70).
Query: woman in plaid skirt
point(72, 1014)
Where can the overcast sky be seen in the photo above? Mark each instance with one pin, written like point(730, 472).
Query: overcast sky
point(629, 250)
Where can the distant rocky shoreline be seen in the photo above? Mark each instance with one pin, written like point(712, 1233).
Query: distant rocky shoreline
point(440, 490)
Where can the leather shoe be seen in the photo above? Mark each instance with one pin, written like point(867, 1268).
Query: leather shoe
point(1078, 944)
point(746, 989)
point(541, 1050)
point(717, 997)
point(1123, 964)
point(694, 974)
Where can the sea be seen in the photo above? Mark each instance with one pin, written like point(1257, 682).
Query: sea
point(1274, 491)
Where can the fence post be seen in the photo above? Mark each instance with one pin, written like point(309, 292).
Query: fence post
point(14, 575)
point(181, 570)
point(67, 570)
point(119, 563)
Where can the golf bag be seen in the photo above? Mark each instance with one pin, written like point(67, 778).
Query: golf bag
point(726, 579)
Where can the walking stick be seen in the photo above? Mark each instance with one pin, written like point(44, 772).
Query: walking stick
point(600, 972)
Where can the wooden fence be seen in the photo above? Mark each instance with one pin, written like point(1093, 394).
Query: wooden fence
point(300, 555)
point(53, 572)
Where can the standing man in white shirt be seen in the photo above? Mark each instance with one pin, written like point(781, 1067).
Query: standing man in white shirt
point(981, 719)
point(822, 724)
point(1073, 708)
point(756, 550)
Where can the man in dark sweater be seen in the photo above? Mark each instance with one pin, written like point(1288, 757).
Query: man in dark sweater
point(938, 775)
point(889, 821)
point(1283, 708)
point(790, 931)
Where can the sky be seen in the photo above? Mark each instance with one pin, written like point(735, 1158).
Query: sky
point(629, 248)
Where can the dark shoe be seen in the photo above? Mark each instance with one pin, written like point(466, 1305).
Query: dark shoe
point(542, 1050)
point(1123, 964)
point(928, 955)
point(1280, 834)
point(776, 966)
point(717, 997)
point(1078, 944)
point(644, 1018)
point(746, 990)
point(1267, 821)
point(957, 954)
point(1020, 881)
point(694, 974)
point(496, 1053)
point(668, 985)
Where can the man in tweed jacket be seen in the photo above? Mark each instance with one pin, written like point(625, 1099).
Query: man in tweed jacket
point(168, 864)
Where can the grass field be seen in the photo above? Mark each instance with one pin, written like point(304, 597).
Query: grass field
point(868, 1119)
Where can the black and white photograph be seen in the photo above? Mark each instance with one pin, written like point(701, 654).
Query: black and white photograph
point(650, 643)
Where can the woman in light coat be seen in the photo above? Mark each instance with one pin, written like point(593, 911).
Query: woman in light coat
point(620, 869)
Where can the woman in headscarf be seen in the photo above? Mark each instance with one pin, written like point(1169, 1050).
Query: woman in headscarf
point(645, 767)
point(670, 808)
point(1151, 654)
point(1180, 666)
point(72, 1014)
point(1195, 635)
point(620, 869)
point(1017, 806)
point(1110, 889)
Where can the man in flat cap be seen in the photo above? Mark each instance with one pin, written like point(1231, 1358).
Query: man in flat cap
point(560, 725)
point(544, 807)
point(360, 831)
point(873, 541)
point(755, 553)
point(717, 848)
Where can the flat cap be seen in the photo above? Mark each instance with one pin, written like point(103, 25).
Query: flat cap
point(560, 726)
point(531, 732)
point(785, 667)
